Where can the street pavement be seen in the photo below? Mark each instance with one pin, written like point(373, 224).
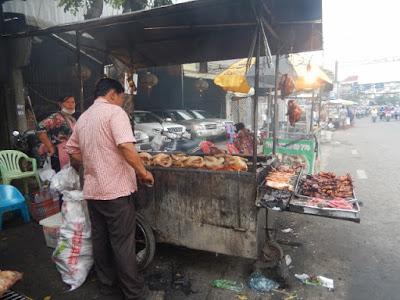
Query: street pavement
point(363, 259)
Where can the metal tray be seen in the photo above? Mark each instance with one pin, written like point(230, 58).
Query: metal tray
point(296, 205)
point(297, 192)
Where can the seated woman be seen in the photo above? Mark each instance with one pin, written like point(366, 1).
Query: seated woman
point(243, 140)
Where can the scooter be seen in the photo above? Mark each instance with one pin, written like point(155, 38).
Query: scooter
point(171, 142)
point(388, 116)
point(374, 118)
point(28, 143)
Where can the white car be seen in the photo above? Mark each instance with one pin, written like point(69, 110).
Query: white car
point(151, 125)
point(221, 123)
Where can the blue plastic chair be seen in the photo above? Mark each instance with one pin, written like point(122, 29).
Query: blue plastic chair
point(11, 199)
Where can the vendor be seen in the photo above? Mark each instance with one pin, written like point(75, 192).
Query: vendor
point(55, 130)
point(243, 140)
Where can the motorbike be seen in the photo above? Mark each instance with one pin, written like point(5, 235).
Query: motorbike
point(172, 142)
point(374, 117)
point(388, 116)
point(28, 143)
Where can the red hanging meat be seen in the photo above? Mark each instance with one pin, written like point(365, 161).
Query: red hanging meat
point(294, 112)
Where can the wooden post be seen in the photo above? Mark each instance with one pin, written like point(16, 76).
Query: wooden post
point(276, 107)
point(79, 71)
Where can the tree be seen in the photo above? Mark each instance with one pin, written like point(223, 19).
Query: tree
point(94, 8)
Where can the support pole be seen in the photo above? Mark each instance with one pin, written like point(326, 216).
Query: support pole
point(276, 107)
point(312, 111)
point(79, 70)
point(269, 113)
point(255, 98)
point(182, 88)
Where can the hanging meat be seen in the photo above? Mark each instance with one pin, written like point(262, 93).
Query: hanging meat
point(286, 85)
point(294, 112)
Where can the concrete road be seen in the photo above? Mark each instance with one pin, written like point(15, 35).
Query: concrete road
point(363, 259)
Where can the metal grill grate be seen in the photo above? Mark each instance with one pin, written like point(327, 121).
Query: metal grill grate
point(11, 295)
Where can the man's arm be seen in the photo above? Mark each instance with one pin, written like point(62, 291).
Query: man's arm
point(130, 154)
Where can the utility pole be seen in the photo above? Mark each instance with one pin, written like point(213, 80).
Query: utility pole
point(337, 86)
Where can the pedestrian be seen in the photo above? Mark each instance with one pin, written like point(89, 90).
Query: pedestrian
point(104, 142)
point(55, 130)
point(343, 117)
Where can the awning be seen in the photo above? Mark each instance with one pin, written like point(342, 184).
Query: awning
point(203, 30)
point(305, 75)
point(341, 102)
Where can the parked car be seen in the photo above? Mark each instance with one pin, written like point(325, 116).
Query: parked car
point(151, 124)
point(198, 128)
point(142, 140)
point(203, 115)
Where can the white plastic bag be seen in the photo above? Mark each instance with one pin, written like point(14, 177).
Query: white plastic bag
point(157, 142)
point(46, 173)
point(74, 255)
point(65, 180)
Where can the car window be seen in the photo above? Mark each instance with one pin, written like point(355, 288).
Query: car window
point(197, 115)
point(184, 115)
point(145, 117)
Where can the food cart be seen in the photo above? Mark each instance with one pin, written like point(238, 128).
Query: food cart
point(216, 211)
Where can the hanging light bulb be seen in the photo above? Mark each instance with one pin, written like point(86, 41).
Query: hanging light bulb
point(201, 85)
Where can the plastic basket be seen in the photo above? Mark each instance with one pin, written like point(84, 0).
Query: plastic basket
point(45, 209)
point(51, 229)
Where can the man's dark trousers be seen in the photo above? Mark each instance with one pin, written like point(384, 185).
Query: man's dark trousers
point(113, 236)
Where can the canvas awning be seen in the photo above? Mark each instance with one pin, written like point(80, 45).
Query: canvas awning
point(203, 30)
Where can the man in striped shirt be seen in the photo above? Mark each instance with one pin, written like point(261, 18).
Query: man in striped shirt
point(103, 140)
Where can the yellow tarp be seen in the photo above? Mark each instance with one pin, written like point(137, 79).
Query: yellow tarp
point(233, 79)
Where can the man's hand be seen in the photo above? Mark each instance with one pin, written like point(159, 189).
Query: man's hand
point(147, 179)
point(130, 154)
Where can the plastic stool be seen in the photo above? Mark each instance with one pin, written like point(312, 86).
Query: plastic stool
point(10, 200)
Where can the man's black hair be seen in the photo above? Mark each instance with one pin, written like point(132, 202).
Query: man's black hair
point(104, 85)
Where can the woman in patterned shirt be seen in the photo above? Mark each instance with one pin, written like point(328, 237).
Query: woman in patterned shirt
point(55, 130)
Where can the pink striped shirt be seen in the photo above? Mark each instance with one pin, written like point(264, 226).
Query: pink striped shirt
point(96, 137)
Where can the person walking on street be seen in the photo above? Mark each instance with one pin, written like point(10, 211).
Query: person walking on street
point(104, 142)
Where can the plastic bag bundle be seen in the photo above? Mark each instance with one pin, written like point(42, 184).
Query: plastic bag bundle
point(65, 180)
point(74, 255)
point(47, 173)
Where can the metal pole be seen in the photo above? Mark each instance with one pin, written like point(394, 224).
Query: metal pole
point(255, 98)
point(312, 112)
point(79, 70)
point(269, 113)
point(276, 107)
point(182, 88)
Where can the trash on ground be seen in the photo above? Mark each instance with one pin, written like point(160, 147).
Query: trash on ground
point(262, 284)
point(288, 296)
point(287, 230)
point(288, 259)
point(316, 280)
point(242, 297)
point(8, 279)
point(228, 285)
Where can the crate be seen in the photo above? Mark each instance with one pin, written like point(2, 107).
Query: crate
point(42, 210)
point(51, 229)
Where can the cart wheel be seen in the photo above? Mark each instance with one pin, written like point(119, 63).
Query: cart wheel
point(145, 243)
point(272, 252)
